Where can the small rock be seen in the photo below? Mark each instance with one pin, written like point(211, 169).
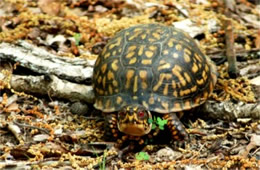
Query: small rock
point(79, 108)
point(167, 154)
point(40, 137)
point(100, 8)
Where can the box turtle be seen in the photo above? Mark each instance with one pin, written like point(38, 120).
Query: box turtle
point(150, 69)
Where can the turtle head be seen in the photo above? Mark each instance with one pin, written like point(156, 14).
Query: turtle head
point(133, 120)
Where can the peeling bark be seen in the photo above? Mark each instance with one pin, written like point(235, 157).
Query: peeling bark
point(41, 61)
point(228, 110)
point(52, 86)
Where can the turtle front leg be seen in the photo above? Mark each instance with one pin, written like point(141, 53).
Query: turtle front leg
point(111, 130)
point(176, 127)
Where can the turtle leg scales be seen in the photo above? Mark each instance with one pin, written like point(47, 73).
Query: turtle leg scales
point(112, 131)
point(177, 129)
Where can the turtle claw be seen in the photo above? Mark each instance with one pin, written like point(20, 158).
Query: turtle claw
point(122, 154)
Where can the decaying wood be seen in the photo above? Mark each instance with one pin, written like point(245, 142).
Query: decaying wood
point(52, 86)
point(241, 53)
point(250, 68)
point(228, 110)
point(41, 61)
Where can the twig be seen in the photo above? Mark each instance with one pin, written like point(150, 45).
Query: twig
point(32, 127)
point(230, 52)
point(23, 164)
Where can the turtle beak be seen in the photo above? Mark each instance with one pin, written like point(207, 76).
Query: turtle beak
point(135, 129)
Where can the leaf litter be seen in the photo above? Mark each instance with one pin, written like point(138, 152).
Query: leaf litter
point(39, 132)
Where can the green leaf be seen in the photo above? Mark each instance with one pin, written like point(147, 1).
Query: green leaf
point(161, 127)
point(146, 157)
point(162, 122)
point(142, 156)
point(153, 126)
point(77, 37)
point(158, 119)
point(150, 120)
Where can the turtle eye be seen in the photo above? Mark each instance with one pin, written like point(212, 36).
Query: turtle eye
point(141, 114)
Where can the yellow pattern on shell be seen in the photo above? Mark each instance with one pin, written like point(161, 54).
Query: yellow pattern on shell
point(156, 66)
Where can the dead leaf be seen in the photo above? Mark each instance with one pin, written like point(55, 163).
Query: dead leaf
point(191, 28)
point(252, 19)
point(74, 48)
point(254, 141)
point(50, 7)
point(34, 33)
point(12, 107)
point(255, 81)
point(40, 137)
point(21, 152)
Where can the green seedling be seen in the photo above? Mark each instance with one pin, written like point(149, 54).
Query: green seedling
point(158, 122)
point(77, 37)
point(142, 156)
point(102, 165)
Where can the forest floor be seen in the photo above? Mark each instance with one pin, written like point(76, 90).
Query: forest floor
point(39, 130)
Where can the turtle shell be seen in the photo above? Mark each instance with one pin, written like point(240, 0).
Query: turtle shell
point(156, 66)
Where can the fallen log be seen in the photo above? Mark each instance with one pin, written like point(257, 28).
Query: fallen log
point(41, 61)
point(227, 110)
point(51, 86)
